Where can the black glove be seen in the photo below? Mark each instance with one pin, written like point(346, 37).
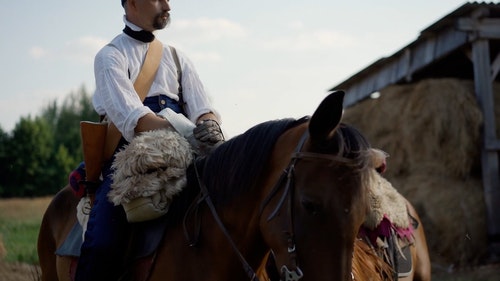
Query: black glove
point(208, 132)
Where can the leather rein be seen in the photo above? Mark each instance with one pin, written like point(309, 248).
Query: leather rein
point(295, 273)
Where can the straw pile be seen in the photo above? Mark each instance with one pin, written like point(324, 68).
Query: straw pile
point(431, 129)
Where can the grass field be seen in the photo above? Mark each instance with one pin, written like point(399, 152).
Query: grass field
point(20, 220)
point(19, 224)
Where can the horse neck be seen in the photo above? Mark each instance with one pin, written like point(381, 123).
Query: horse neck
point(213, 255)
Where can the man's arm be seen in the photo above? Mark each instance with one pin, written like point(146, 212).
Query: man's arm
point(207, 116)
point(151, 122)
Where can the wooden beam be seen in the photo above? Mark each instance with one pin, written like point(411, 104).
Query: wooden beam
point(402, 65)
point(493, 145)
point(489, 158)
point(485, 28)
point(495, 67)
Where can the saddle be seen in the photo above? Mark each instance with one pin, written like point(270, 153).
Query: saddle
point(152, 166)
point(391, 246)
point(145, 238)
point(388, 228)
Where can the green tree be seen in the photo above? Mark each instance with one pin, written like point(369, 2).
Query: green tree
point(39, 154)
point(65, 120)
point(62, 164)
point(65, 124)
point(29, 154)
point(4, 138)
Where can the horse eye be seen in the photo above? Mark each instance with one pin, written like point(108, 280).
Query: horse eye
point(311, 207)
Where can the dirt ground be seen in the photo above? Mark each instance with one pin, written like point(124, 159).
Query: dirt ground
point(18, 272)
point(24, 272)
point(479, 273)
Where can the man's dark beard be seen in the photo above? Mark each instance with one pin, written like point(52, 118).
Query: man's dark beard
point(159, 23)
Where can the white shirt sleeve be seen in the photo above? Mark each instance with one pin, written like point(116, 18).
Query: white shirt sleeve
point(195, 95)
point(115, 95)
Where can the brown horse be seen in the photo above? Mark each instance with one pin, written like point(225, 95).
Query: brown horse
point(419, 251)
point(296, 187)
point(367, 265)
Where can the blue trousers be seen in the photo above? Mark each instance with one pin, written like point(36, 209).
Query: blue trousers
point(103, 251)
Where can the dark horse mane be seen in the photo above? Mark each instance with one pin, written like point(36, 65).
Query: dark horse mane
point(349, 143)
point(235, 165)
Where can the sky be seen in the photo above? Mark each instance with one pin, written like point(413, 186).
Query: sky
point(259, 60)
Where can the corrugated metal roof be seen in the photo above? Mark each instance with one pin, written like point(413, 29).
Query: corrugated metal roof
point(437, 52)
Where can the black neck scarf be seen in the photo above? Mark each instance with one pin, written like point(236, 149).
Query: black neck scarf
point(143, 35)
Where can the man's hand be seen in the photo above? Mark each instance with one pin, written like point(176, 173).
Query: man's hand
point(208, 132)
point(178, 121)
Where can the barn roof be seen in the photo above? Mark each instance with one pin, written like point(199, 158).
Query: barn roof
point(441, 50)
point(464, 44)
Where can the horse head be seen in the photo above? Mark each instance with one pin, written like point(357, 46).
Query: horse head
point(312, 215)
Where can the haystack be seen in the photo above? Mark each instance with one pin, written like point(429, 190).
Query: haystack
point(431, 130)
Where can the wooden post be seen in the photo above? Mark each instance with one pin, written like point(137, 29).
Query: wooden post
point(490, 147)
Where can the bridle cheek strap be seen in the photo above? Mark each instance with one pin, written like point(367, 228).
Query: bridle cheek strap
point(296, 273)
point(288, 174)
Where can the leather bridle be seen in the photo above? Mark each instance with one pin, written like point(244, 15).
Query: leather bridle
point(294, 273)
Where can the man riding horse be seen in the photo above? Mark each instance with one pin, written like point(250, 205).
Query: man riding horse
point(173, 91)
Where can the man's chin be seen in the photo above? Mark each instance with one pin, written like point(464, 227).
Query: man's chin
point(162, 23)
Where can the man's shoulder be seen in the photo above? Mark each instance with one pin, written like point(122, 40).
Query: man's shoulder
point(113, 48)
point(174, 51)
point(109, 51)
point(111, 54)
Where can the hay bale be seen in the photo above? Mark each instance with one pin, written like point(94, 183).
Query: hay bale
point(453, 214)
point(432, 120)
point(432, 132)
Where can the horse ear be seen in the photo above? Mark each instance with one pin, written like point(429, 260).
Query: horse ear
point(327, 117)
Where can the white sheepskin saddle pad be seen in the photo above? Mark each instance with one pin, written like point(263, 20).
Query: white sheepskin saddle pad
point(385, 200)
point(149, 171)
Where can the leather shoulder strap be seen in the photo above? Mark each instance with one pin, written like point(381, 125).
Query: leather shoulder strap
point(179, 77)
point(149, 68)
point(142, 85)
